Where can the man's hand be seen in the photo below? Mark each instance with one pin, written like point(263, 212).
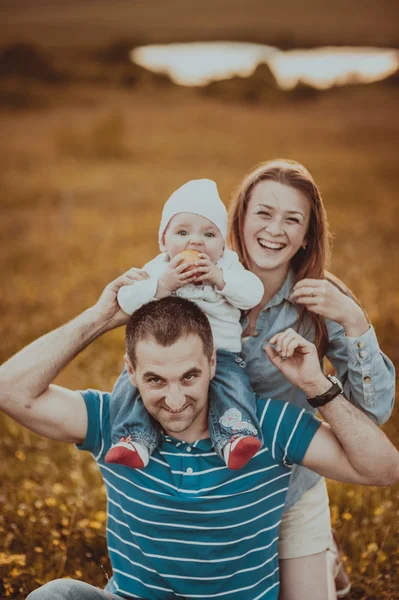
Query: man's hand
point(298, 361)
point(208, 272)
point(107, 309)
point(175, 277)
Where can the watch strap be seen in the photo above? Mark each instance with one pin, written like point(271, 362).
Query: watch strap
point(334, 391)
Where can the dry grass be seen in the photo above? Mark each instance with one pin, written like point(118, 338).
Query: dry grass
point(75, 214)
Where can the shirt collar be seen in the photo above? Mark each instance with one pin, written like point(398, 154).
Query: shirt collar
point(205, 445)
point(284, 292)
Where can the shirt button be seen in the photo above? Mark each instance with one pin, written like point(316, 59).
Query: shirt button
point(363, 354)
point(255, 334)
point(188, 448)
point(237, 359)
point(243, 364)
point(366, 379)
point(360, 344)
point(189, 470)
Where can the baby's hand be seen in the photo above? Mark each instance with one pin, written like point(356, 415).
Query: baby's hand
point(175, 277)
point(208, 272)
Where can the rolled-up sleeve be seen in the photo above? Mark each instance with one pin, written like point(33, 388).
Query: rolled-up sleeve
point(97, 439)
point(367, 374)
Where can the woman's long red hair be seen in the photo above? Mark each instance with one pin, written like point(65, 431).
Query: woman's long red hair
point(311, 262)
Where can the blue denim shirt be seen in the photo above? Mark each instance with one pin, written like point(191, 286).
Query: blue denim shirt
point(368, 376)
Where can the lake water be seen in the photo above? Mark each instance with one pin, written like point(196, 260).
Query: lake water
point(196, 64)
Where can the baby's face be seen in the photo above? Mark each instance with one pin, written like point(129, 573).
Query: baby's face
point(187, 231)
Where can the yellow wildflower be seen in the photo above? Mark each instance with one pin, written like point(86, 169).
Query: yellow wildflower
point(20, 454)
point(82, 524)
point(100, 515)
point(50, 501)
point(55, 533)
point(382, 557)
point(15, 572)
point(346, 516)
point(372, 547)
point(12, 559)
point(58, 488)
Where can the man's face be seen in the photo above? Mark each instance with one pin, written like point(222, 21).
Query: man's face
point(173, 383)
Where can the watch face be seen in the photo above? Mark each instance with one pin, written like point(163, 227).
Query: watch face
point(335, 380)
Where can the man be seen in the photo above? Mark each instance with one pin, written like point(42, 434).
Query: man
point(186, 526)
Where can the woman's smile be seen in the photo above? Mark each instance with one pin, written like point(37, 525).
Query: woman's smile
point(271, 246)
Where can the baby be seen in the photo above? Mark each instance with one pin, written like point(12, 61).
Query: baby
point(195, 219)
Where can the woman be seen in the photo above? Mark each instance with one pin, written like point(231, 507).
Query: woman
point(279, 229)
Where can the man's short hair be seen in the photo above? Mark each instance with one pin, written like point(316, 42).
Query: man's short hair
point(166, 321)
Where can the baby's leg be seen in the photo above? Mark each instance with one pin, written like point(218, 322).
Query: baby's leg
point(134, 433)
point(233, 423)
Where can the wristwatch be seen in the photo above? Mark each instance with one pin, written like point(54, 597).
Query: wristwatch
point(329, 395)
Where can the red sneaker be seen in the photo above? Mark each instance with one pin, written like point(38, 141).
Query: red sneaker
point(239, 450)
point(129, 453)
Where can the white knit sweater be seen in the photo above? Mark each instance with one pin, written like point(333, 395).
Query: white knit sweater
point(243, 290)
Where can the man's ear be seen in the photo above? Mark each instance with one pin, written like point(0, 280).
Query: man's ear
point(213, 364)
point(130, 370)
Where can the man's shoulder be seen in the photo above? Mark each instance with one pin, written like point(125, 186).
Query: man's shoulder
point(274, 413)
point(268, 405)
point(287, 429)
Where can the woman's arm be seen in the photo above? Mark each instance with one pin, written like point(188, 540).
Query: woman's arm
point(367, 374)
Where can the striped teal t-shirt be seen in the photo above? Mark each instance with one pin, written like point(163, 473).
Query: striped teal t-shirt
point(188, 527)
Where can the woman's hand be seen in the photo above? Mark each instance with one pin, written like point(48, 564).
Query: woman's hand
point(298, 361)
point(208, 272)
point(324, 298)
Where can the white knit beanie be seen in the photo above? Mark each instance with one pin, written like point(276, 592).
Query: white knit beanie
point(199, 196)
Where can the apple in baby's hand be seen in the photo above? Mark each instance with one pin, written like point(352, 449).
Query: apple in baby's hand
point(190, 256)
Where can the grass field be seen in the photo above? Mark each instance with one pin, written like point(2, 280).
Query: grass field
point(82, 183)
